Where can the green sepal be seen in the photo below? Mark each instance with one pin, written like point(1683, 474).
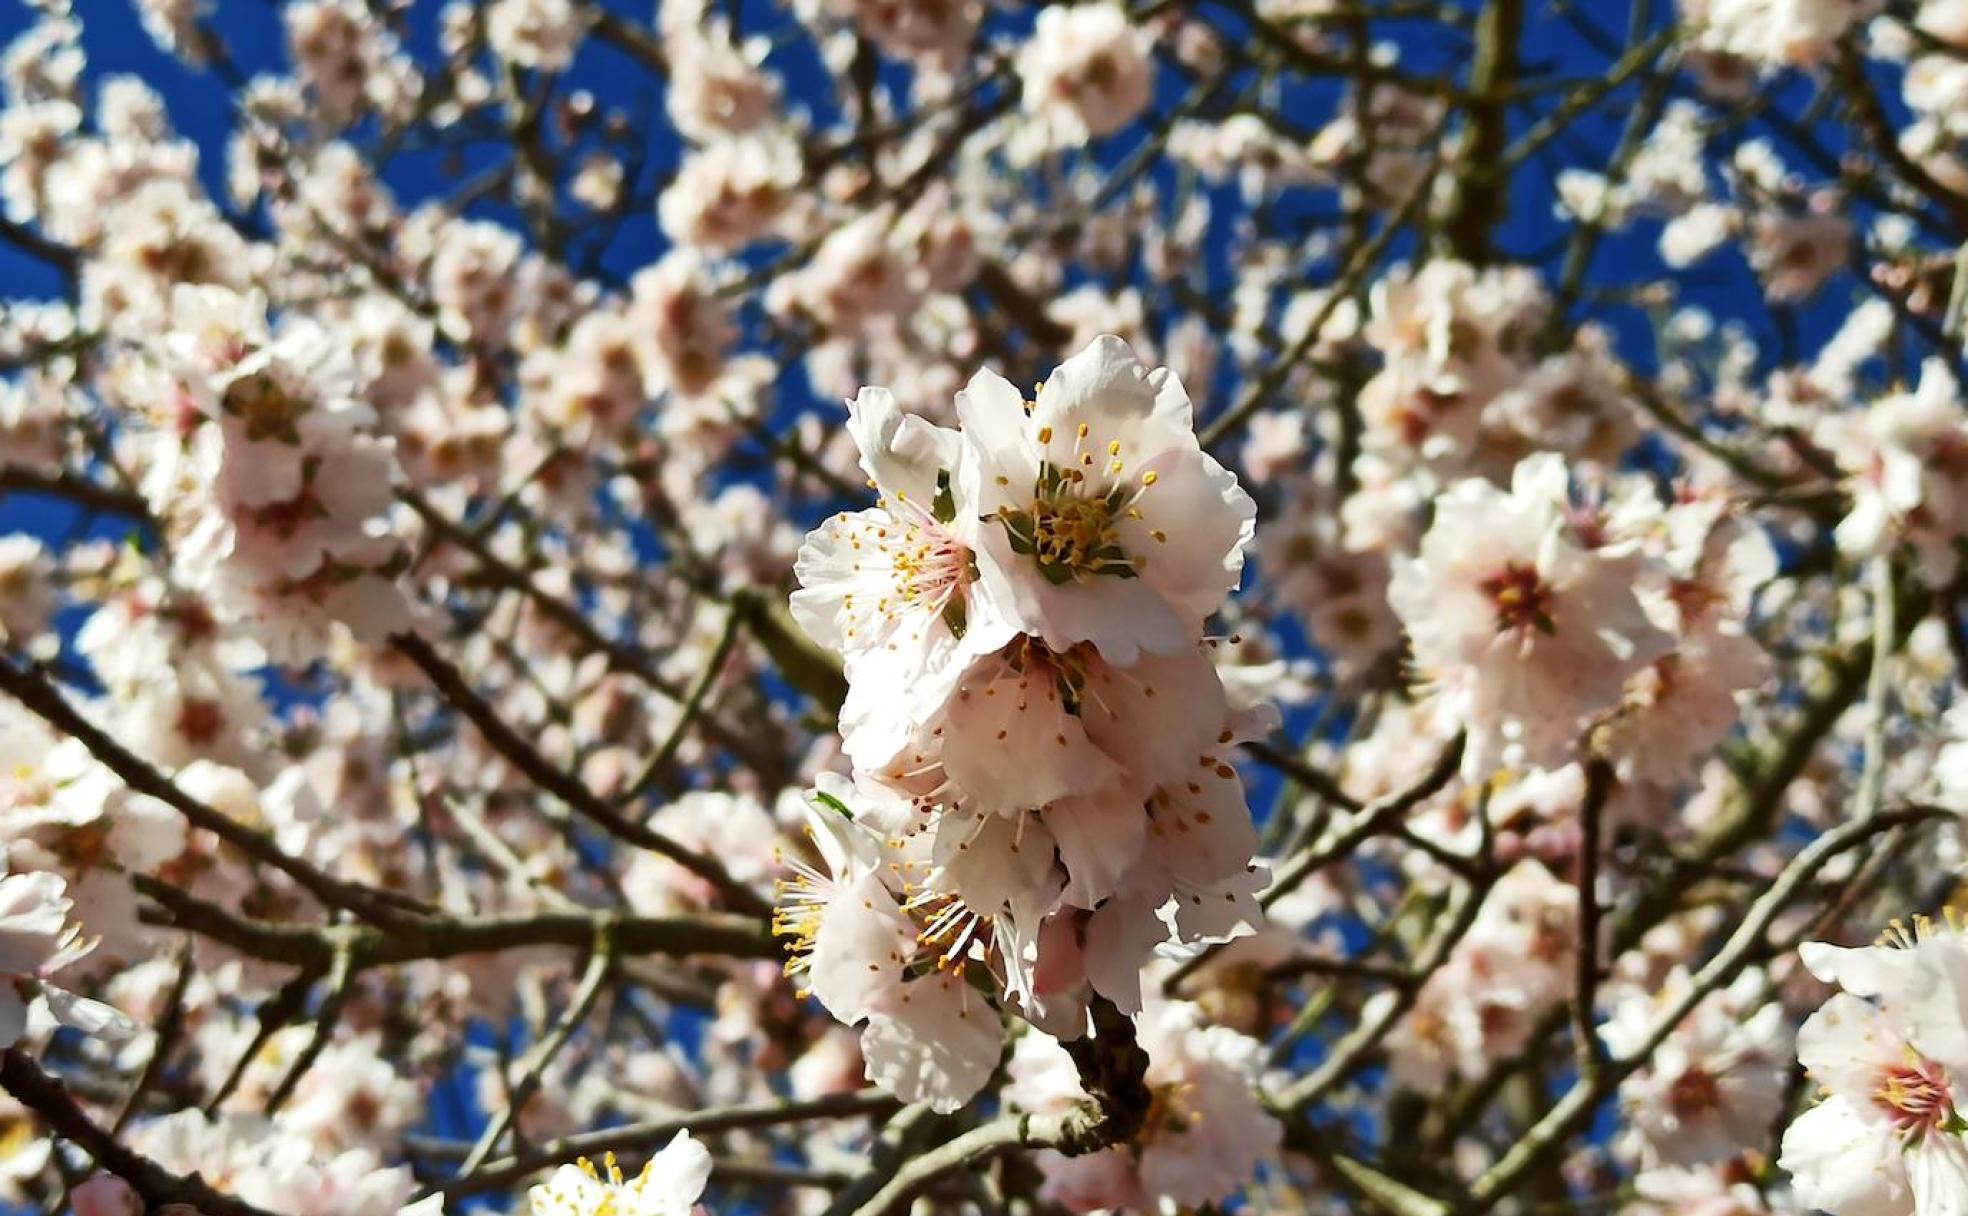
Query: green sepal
point(944, 506)
point(956, 614)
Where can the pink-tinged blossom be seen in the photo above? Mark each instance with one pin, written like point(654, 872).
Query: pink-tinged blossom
point(718, 85)
point(1906, 462)
point(730, 193)
point(1452, 337)
point(894, 589)
point(1106, 522)
point(1204, 1137)
point(1890, 1055)
point(1714, 1085)
point(1528, 633)
point(683, 329)
point(106, 1195)
point(935, 33)
point(889, 946)
point(1086, 71)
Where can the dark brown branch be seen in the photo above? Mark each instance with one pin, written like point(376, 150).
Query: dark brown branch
point(47, 1097)
point(72, 487)
point(34, 691)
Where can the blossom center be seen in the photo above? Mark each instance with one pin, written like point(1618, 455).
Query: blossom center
point(1694, 1093)
point(929, 565)
point(1171, 1110)
point(1071, 532)
point(1521, 597)
point(1915, 1095)
point(266, 408)
point(948, 928)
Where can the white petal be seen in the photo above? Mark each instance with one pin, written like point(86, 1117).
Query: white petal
point(938, 1042)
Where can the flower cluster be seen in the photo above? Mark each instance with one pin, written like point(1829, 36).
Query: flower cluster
point(424, 689)
point(1202, 1138)
point(1041, 783)
point(276, 489)
point(263, 1165)
point(1889, 1053)
point(1535, 617)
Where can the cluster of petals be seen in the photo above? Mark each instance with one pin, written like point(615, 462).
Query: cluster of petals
point(271, 479)
point(37, 939)
point(1205, 1134)
point(1889, 1055)
point(1036, 726)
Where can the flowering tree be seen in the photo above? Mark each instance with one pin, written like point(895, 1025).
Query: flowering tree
point(887, 605)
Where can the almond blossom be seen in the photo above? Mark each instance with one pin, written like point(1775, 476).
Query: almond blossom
point(1205, 1136)
point(667, 1185)
point(890, 944)
point(1044, 800)
point(1087, 70)
point(1276, 607)
point(1106, 522)
point(1526, 630)
point(1889, 1055)
point(37, 940)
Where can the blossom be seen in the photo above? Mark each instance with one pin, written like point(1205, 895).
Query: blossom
point(683, 330)
point(1715, 1084)
point(1906, 459)
point(540, 34)
point(1086, 71)
point(1107, 522)
point(1450, 334)
point(36, 940)
point(858, 274)
point(1795, 254)
point(1891, 1055)
point(1525, 630)
point(106, 1195)
point(668, 1185)
point(894, 589)
point(935, 32)
point(1203, 1137)
point(255, 1160)
point(1483, 1005)
point(1773, 33)
point(277, 493)
point(717, 86)
point(729, 193)
point(890, 945)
